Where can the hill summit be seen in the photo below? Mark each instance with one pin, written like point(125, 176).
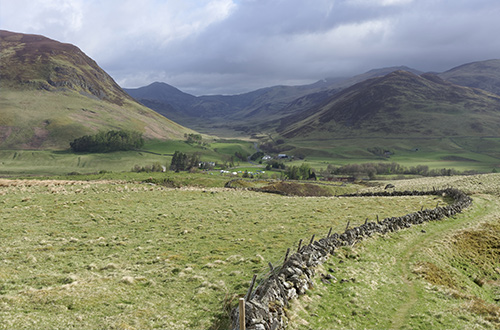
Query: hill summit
point(37, 62)
point(52, 93)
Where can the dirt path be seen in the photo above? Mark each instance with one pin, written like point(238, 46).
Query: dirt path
point(406, 258)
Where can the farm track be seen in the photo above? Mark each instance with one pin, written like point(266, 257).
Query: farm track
point(416, 244)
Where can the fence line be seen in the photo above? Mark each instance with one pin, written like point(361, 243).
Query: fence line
point(264, 306)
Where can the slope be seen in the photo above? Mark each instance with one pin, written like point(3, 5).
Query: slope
point(482, 74)
point(52, 92)
point(400, 104)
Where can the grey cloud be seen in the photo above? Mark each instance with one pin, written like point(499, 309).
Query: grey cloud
point(259, 43)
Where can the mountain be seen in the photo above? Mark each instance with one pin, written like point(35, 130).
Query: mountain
point(256, 111)
point(400, 104)
point(162, 92)
point(52, 93)
point(483, 74)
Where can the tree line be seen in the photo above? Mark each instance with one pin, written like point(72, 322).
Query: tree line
point(108, 142)
point(371, 170)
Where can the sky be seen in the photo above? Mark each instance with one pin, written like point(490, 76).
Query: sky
point(208, 47)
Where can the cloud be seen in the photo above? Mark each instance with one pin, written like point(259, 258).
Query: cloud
point(46, 15)
point(231, 46)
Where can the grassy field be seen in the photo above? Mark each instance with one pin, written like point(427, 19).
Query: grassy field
point(479, 154)
point(57, 162)
point(22, 162)
point(441, 275)
point(124, 255)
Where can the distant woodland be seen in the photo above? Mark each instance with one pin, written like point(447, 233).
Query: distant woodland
point(108, 142)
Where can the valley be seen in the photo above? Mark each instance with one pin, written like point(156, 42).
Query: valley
point(133, 240)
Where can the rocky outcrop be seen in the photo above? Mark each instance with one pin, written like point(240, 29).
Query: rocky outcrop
point(265, 308)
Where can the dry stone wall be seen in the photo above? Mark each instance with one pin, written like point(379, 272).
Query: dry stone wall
point(265, 307)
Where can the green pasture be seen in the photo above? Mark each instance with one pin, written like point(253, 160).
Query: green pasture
point(57, 162)
point(122, 255)
point(168, 148)
point(230, 147)
point(439, 275)
point(210, 150)
point(479, 154)
point(24, 162)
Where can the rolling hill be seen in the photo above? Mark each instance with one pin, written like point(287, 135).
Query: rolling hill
point(400, 104)
point(248, 113)
point(52, 93)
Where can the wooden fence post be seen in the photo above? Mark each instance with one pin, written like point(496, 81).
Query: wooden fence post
point(286, 255)
point(242, 314)
point(300, 244)
point(247, 297)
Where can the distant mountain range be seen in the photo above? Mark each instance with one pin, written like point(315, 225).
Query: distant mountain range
point(388, 101)
point(253, 112)
point(52, 93)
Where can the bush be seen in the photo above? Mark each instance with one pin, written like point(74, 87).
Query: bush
point(156, 167)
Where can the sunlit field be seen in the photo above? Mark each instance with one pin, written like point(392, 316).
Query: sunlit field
point(105, 254)
point(440, 275)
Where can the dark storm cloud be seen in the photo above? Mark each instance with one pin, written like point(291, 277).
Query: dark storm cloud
point(229, 46)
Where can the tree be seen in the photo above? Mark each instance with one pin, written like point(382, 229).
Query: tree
point(257, 155)
point(302, 172)
point(183, 162)
point(292, 173)
point(179, 162)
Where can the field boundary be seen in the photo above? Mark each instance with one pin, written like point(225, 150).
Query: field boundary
point(265, 306)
